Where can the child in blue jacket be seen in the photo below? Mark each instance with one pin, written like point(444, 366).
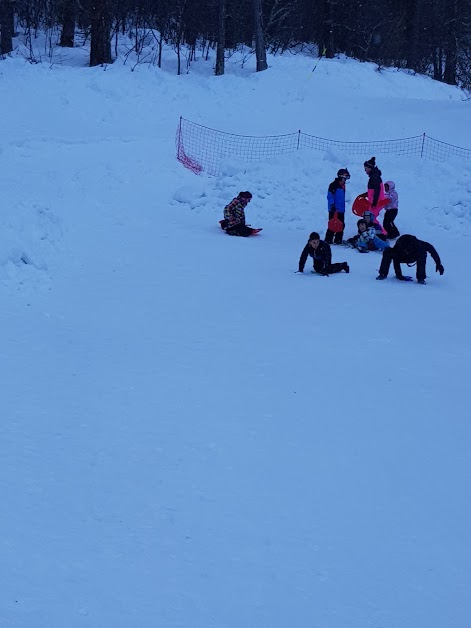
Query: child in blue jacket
point(336, 203)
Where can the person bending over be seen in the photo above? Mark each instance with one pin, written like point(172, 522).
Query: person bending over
point(409, 250)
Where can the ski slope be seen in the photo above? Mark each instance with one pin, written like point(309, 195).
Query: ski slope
point(194, 436)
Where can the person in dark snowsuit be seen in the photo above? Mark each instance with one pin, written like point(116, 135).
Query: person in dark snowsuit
point(336, 203)
point(375, 185)
point(234, 216)
point(322, 257)
point(409, 250)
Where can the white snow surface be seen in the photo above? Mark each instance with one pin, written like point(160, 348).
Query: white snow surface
point(192, 435)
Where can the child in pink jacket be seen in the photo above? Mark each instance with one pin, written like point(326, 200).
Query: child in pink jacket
point(391, 210)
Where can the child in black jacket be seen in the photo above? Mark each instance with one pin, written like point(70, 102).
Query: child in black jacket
point(322, 257)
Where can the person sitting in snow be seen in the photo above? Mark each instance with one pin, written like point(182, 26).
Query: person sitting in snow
point(322, 257)
point(336, 203)
point(409, 250)
point(234, 216)
point(391, 210)
point(371, 221)
point(352, 242)
point(367, 239)
point(375, 185)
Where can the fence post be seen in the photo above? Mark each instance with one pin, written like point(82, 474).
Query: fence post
point(178, 139)
point(422, 148)
point(299, 136)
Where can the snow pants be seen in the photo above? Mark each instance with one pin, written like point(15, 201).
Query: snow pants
point(388, 223)
point(388, 257)
point(330, 269)
point(379, 245)
point(331, 236)
point(240, 230)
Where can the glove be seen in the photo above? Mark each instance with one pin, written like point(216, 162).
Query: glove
point(440, 269)
point(323, 273)
point(333, 208)
point(404, 278)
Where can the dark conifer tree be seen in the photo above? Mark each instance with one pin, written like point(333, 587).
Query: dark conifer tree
point(6, 26)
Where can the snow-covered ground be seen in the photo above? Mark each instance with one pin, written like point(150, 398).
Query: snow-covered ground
point(192, 435)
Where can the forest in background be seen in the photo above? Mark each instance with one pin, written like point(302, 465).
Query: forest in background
point(431, 37)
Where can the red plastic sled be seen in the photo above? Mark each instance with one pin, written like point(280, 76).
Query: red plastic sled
point(335, 224)
point(361, 204)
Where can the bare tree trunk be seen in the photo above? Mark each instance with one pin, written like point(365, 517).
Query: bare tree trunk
point(68, 24)
point(331, 47)
point(221, 45)
point(260, 50)
point(411, 35)
point(326, 20)
point(100, 35)
point(451, 48)
point(179, 61)
point(6, 26)
point(438, 65)
point(161, 37)
point(449, 73)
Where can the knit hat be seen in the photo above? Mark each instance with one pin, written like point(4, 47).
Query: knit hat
point(314, 236)
point(371, 163)
point(246, 195)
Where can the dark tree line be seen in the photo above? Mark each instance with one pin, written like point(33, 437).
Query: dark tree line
point(427, 36)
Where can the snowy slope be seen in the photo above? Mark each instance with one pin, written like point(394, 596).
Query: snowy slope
point(194, 436)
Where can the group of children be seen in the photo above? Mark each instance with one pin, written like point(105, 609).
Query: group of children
point(371, 235)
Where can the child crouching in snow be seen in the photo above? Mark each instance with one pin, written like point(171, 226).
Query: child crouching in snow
point(322, 257)
point(367, 238)
point(234, 216)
